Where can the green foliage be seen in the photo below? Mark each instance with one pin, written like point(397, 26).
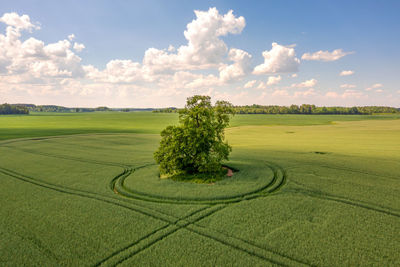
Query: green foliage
point(6, 109)
point(304, 109)
point(54, 108)
point(312, 109)
point(197, 145)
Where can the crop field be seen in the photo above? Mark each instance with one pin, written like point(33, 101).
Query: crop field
point(309, 190)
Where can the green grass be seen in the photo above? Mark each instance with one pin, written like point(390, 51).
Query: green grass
point(198, 178)
point(311, 190)
point(39, 124)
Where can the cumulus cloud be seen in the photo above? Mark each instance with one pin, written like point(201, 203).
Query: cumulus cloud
point(348, 86)
point(31, 60)
point(325, 55)
point(204, 49)
point(332, 94)
point(280, 59)
point(262, 85)
point(280, 93)
point(240, 67)
point(17, 22)
point(374, 86)
point(204, 64)
point(345, 95)
point(79, 47)
point(116, 71)
point(346, 73)
point(309, 92)
point(250, 84)
point(274, 80)
point(305, 84)
point(377, 85)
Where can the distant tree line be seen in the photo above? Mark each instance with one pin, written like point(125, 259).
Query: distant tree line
point(54, 108)
point(166, 110)
point(13, 109)
point(303, 109)
point(312, 109)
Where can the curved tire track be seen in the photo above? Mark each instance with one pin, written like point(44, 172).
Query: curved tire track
point(172, 221)
point(279, 178)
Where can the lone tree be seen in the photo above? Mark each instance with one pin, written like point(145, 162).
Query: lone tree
point(197, 145)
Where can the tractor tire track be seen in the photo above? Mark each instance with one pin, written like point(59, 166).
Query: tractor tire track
point(86, 194)
point(136, 247)
point(98, 162)
point(273, 186)
point(232, 242)
point(360, 204)
point(278, 180)
point(170, 220)
point(251, 244)
point(116, 253)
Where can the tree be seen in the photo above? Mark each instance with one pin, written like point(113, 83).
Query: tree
point(197, 144)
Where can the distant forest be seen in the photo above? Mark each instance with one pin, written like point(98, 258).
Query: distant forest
point(61, 109)
point(253, 109)
point(13, 109)
point(303, 109)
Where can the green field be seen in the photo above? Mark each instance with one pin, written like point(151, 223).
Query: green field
point(314, 190)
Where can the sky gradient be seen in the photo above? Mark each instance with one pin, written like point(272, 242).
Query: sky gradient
point(157, 53)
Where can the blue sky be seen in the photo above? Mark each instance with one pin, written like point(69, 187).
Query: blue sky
point(365, 35)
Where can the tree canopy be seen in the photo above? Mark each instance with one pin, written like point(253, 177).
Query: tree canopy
point(197, 144)
point(13, 109)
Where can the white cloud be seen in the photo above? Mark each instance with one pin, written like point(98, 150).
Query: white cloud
point(347, 94)
point(262, 85)
point(332, 95)
point(352, 94)
point(377, 85)
point(79, 47)
point(280, 59)
point(47, 72)
point(17, 22)
point(31, 61)
point(116, 71)
point(309, 92)
point(325, 55)
point(240, 67)
point(379, 90)
point(204, 49)
point(294, 75)
point(280, 93)
point(348, 86)
point(374, 86)
point(250, 84)
point(305, 84)
point(346, 73)
point(171, 48)
point(274, 80)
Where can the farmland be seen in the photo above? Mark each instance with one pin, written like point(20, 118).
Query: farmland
point(314, 190)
